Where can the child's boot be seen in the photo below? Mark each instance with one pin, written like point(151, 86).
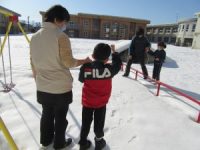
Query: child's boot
point(85, 145)
point(100, 143)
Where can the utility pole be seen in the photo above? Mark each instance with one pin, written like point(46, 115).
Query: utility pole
point(28, 24)
point(177, 17)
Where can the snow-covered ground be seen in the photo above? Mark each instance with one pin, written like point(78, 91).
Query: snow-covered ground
point(136, 118)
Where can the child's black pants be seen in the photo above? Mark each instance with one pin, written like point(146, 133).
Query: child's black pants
point(99, 120)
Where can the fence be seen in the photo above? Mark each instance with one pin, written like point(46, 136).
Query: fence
point(159, 84)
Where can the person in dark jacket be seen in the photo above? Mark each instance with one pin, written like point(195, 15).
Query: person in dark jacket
point(137, 52)
point(97, 78)
point(159, 58)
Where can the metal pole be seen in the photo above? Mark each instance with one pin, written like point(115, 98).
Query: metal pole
point(11, 80)
point(4, 41)
point(4, 72)
point(198, 120)
point(28, 24)
point(122, 67)
point(22, 30)
point(6, 133)
point(158, 89)
point(136, 74)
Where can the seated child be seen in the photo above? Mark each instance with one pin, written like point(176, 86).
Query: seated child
point(96, 77)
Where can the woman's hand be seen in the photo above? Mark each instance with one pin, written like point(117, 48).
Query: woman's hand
point(87, 60)
point(130, 57)
point(147, 49)
point(112, 48)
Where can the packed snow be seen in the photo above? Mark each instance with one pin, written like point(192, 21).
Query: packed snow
point(136, 118)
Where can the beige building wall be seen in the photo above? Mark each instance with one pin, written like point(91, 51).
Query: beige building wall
point(186, 31)
point(196, 41)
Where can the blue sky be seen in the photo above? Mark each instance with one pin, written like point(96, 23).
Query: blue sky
point(157, 11)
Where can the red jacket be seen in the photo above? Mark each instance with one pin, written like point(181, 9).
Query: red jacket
point(97, 79)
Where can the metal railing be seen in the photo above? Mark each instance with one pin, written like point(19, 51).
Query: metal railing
point(159, 84)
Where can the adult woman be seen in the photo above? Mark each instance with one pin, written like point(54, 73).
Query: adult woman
point(51, 58)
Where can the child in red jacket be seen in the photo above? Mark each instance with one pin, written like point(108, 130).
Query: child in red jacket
point(97, 78)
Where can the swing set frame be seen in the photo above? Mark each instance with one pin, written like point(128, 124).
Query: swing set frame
point(13, 19)
point(7, 87)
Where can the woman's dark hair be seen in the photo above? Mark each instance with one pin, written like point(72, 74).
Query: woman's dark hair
point(57, 12)
point(101, 51)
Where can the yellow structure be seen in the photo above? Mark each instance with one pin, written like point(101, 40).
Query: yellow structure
point(12, 19)
point(7, 135)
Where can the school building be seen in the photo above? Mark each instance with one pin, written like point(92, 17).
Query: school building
point(4, 20)
point(163, 32)
point(196, 41)
point(185, 32)
point(107, 27)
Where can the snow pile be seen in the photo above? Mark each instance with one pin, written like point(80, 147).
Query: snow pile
point(136, 119)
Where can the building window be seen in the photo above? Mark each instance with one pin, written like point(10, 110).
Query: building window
point(174, 30)
point(155, 31)
point(71, 24)
point(187, 27)
point(85, 23)
point(148, 31)
point(114, 31)
point(173, 40)
point(167, 30)
point(166, 39)
point(161, 30)
point(114, 27)
point(159, 39)
point(106, 35)
point(193, 27)
point(183, 27)
point(85, 34)
point(122, 31)
point(71, 33)
point(179, 28)
point(96, 24)
point(153, 39)
point(106, 28)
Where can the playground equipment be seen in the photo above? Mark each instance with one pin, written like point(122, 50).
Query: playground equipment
point(13, 19)
point(7, 135)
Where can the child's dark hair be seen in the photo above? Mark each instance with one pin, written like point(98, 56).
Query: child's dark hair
point(101, 51)
point(162, 44)
point(57, 12)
